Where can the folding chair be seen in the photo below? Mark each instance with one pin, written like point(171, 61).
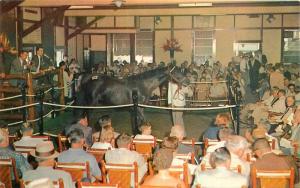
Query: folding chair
point(181, 170)
point(243, 186)
point(96, 185)
point(207, 143)
point(189, 157)
point(24, 150)
point(272, 178)
point(57, 184)
point(160, 186)
point(120, 174)
point(97, 153)
point(144, 146)
point(206, 166)
point(12, 139)
point(76, 170)
point(62, 143)
point(43, 137)
point(6, 166)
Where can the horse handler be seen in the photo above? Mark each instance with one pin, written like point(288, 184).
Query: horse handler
point(176, 98)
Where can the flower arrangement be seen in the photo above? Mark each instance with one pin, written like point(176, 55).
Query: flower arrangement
point(172, 45)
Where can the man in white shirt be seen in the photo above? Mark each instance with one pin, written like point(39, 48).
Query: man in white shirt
point(27, 140)
point(176, 98)
point(221, 175)
point(279, 105)
point(123, 155)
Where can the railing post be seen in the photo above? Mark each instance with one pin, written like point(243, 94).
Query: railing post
point(237, 98)
point(135, 100)
point(61, 85)
point(52, 100)
point(31, 110)
point(41, 111)
point(23, 92)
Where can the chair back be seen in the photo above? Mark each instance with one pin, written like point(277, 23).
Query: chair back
point(243, 186)
point(8, 166)
point(12, 139)
point(180, 170)
point(96, 185)
point(189, 157)
point(207, 143)
point(57, 184)
point(24, 150)
point(206, 166)
point(97, 153)
point(62, 143)
point(273, 178)
point(42, 137)
point(76, 170)
point(160, 186)
point(144, 146)
point(120, 174)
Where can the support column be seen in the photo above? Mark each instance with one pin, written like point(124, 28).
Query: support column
point(19, 28)
point(132, 47)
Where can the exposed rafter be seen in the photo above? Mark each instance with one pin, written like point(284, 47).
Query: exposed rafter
point(53, 16)
point(86, 26)
point(6, 6)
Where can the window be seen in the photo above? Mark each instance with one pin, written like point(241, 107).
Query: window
point(246, 47)
point(144, 47)
point(204, 45)
point(121, 47)
point(291, 49)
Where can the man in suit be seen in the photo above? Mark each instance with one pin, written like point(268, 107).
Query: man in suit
point(40, 61)
point(19, 66)
point(221, 175)
point(253, 65)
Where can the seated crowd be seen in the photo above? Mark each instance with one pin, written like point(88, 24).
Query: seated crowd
point(226, 160)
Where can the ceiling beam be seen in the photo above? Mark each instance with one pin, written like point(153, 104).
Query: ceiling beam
point(84, 27)
point(6, 6)
point(53, 16)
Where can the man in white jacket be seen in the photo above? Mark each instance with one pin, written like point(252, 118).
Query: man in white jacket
point(176, 98)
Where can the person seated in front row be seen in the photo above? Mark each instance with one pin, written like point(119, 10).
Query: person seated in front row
point(220, 175)
point(123, 155)
point(104, 124)
point(162, 162)
point(179, 132)
point(223, 135)
point(107, 139)
point(27, 140)
point(76, 154)
point(238, 147)
point(45, 154)
point(222, 120)
point(82, 124)
point(145, 129)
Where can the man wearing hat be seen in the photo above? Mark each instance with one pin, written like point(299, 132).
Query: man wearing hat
point(45, 155)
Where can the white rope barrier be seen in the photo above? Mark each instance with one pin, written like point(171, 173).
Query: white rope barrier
point(15, 123)
point(187, 109)
point(209, 101)
point(212, 82)
point(12, 97)
point(18, 107)
point(37, 119)
point(88, 107)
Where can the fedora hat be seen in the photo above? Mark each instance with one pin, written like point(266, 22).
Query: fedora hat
point(44, 150)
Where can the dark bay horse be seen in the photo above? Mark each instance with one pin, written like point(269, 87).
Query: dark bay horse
point(101, 90)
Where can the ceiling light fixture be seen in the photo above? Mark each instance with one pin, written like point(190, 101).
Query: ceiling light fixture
point(118, 3)
point(270, 18)
point(195, 4)
point(81, 7)
point(157, 20)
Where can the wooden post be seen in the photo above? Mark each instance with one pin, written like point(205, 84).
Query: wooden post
point(135, 100)
point(61, 85)
point(31, 110)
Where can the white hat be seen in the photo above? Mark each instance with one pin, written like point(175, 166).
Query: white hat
point(44, 150)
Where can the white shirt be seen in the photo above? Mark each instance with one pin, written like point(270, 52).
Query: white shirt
point(101, 145)
point(28, 141)
point(278, 106)
point(176, 96)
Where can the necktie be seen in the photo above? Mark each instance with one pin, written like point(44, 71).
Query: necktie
point(274, 101)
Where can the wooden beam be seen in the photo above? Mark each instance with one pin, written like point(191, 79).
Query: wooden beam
point(53, 16)
point(84, 27)
point(6, 6)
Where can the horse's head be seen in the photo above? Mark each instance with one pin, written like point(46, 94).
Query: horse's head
point(177, 76)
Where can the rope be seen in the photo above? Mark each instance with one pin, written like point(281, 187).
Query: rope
point(12, 97)
point(37, 119)
point(88, 107)
point(15, 123)
point(209, 101)
point(212, 82)
point(18, 107)
point(187, 109)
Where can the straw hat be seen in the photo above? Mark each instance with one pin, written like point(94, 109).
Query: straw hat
point(44, 150)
